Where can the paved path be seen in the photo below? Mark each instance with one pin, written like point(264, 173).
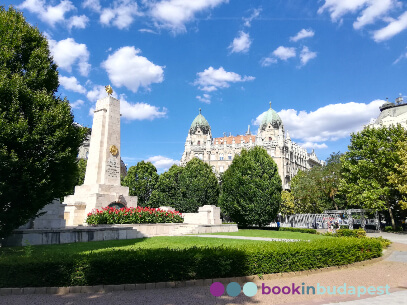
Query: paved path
point(249, 238)
point(391, 271)
point(399, 297)
point(394, 237)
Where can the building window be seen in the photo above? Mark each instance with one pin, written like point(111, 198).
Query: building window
point(221, 157)
point(200, 156)
point(230, 157)
point(199, 142)
point(221, 169)
point(270, 139)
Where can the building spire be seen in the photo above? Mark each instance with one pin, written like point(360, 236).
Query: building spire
point(270, 104)
point(199, 110)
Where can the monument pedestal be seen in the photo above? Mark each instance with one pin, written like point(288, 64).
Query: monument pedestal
point(102, 179)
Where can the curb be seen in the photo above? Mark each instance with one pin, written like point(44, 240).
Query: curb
point(177, 284)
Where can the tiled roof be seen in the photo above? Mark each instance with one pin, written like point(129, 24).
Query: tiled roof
point(238, 139)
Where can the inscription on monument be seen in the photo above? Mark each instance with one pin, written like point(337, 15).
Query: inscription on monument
point(112, 167)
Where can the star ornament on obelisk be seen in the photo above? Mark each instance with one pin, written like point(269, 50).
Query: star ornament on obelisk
point(102, 185)
point(109, 90)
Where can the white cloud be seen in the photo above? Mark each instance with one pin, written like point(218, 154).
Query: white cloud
point(77, 104)
point(126, 68)
point(284, 53)
point(48, 13)
point(306, 55)
point(212, 79)
point(302, 34)
point(98, 92)
point(374, 11)
point(120, 15)
point(71, 83)
point(313, 145)
point(140, 111)
point(328, 123)
point(79, 22)
point(392, 29)
point(147, 31)
point(92, 4)
point(254, 15)
point(370, 11)
point(241, 44)
point(205, 98)
point(174, 14)
point(267, 61)
point(67, 53)
point(402, 56)
point(161, 162)
point(339, 8)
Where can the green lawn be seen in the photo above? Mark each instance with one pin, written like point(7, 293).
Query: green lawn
point(273, 234)
point(172, 242)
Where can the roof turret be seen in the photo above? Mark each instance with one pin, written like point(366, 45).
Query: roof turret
point(200, 122)
point(270, 117)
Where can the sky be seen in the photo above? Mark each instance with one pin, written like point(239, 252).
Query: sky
point(326, 66)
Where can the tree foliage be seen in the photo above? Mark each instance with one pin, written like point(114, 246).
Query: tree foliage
point(38, 140)
point(81, 171)
point(287, 203)
point(168, 191)
point(316, 190)
point(186, 189)
point(141, 180)
point(366, 167)
point(251, 188)
point(398, 178)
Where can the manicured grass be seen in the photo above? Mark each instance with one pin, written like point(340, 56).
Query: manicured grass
point(161, 259)
point(172, 242)
point(274, 234)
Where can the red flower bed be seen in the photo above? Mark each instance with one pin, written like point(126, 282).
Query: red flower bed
point(111, 215)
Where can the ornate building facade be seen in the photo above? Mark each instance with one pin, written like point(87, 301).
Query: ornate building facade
point(219, 152)
point(391, 114)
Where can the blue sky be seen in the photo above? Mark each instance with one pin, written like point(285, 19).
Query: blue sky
point(325, 65)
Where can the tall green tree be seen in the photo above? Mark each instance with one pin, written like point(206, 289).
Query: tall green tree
point(287, 206)
point(316, 189)
point(251, 188)
point(167, 191)
point(38, 139)
point(141, 180)
point(305, 187)
point(187, 188)
point(199, 186)
point(398, 177)
point(366, 168)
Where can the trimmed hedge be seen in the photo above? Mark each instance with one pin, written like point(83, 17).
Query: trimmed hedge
point(351, 233)
point(299, 230)
point(138, 265)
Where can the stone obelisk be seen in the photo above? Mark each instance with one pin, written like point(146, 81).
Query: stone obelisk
point(102, 179)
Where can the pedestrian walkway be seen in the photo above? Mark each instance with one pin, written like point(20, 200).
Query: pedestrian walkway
point(394, 298)
point(250, 238)
point(394, 237)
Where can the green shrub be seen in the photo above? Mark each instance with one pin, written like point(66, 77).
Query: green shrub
point(299, 230)
point(351, 233)
point(140, 265)
point(390, 229)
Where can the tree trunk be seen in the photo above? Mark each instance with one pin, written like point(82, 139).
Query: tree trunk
point(393, 223)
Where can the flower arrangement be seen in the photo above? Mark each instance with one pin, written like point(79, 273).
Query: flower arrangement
point(112, 215)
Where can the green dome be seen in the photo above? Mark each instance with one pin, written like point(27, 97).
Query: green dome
point(271, 117)
point(200, 122)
